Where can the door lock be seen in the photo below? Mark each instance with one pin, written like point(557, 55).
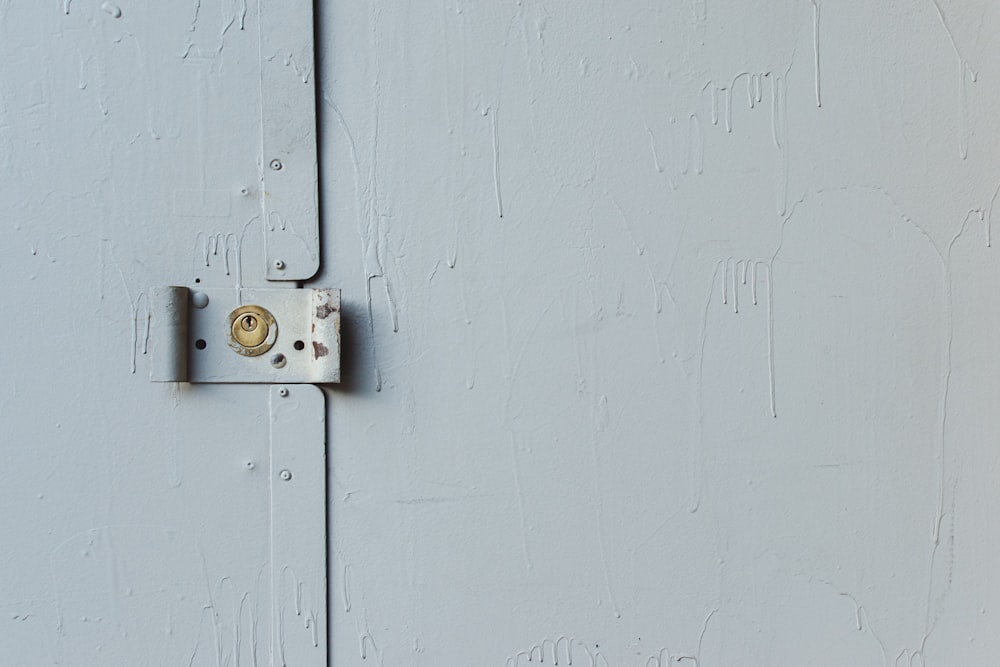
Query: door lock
point(254, 330)
point(193, 334)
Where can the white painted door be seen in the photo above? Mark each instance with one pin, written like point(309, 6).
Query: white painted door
point(668, 335)
point(147, 523)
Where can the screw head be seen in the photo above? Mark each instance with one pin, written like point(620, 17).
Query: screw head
point(285, 474)
point(276, 164)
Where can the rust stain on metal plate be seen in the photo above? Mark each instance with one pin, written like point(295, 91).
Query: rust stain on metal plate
point(324, 311)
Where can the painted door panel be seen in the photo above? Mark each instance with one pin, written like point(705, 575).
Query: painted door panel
point(149, 524)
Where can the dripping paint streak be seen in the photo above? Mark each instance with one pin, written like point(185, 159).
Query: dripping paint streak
point(775, 92)
point(365, 638)
point(694, 453)
point(698, 145)
point(816, 8)
point(657, 287)
point(736, 289)
point(652, 148)
point(965, 72)
point(496, 161)
point(729, 109)
point(770, 336)
point(562, 648)
point(949, 319)
point(989, 216)
point(734, 274)
point(601, 523)
point(520, 503)
point(346, 591)
point(140, 327)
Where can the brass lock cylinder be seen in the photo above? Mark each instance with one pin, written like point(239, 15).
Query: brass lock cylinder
point(253, 330)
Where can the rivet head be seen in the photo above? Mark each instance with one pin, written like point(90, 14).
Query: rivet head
point(276, 164)
point(280, 265)
point(199, 299)
point(283, 392)
point(279, 360)
point(285, 474)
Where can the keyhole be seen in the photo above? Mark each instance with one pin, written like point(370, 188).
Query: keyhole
point(248, 323)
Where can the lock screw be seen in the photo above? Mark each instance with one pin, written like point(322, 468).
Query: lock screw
point(285, 474)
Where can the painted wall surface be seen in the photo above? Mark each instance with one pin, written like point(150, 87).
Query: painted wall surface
point(670, 333)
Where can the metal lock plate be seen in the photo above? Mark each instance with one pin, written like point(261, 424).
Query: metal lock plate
point(245, 336)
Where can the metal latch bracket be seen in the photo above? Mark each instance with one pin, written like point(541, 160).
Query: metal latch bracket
point(251, 336)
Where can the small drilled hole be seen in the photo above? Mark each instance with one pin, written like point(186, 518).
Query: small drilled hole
point(197, 280)
point(200, 344)
point(299, 345)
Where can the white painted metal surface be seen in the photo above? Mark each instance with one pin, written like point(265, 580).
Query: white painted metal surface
point(575, 444)
point(288, 131)
point(651, 359)
point(298, 525)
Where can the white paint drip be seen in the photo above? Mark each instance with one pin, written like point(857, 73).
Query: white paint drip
point(113, 10)
point(140, 328)
point(229, 243)
point(496, 162)
point(816, 9)
point(965, 73)
point(346, 589)
point(987, 217)
point(755, 83)
point(562, 648)
point(366, 640)
point(735, 275)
